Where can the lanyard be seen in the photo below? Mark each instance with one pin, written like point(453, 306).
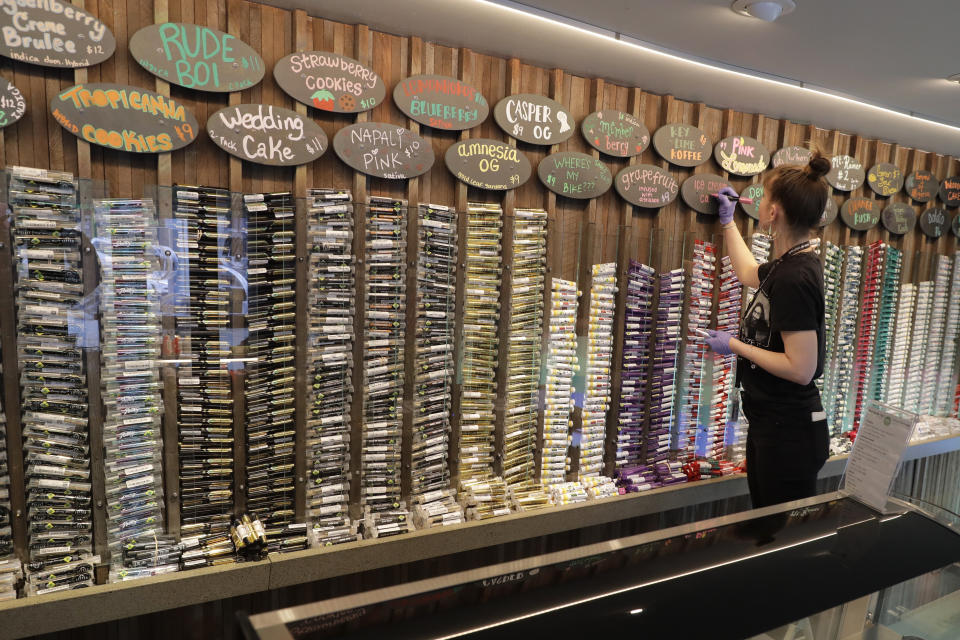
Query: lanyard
point(803, 246)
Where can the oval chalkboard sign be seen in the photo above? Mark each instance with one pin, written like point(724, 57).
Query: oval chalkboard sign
point(574, 175)
point(329, 81)
point(922, 185)
point(846, 173)
point(441, 102)
point(124, 118)
point(885, 178)
point(792, 155)
point(830, 212)
point(646, 185)
point(487, 164)
point(955, 225)
point(898, 218)
point(12, 104)
point(383, 150)
point(196, 57)
point(267, 135)
point(615, 133)
point(682, 144)
point(53, 33)
point(697, 191)
point(534, 118)
point(741, 156)
point(950, 191)
point(860, 213)
point(934, 221)
point(754, 193)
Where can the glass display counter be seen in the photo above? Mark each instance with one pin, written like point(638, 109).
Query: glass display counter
point(738, 575)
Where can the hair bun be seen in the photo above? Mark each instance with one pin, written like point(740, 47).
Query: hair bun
point(817, 167)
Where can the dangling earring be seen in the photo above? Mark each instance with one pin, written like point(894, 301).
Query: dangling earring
point(770, 231)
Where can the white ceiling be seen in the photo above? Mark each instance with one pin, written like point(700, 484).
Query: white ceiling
point(890, 54)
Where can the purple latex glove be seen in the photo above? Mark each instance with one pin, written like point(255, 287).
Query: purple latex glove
point(719, 341)
point(725, 205)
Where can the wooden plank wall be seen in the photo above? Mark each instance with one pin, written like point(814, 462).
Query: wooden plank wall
point(579, 233)
point(38, 141)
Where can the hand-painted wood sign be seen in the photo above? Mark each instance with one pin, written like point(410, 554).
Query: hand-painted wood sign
point(682, 144)
point(535, 119)
point(646, 185)
point(574, 175)
point(829, 212)
point(488, 164)
point(615, 133)
point(846, 173)
point(753, 192)
point(860, 213)
point(124, 118)
point(950, 191)
point(383, 150)
point(441, 102)
point(898, 218)
point(53, 33)
point(12, 104)
point(933, 221)
point(955, 225)
point(741, 156)
point(697, 191)
point(922, 185)
point(329, 81)
point(885, 178)
point(196, 57)
point(267, 135)
point(792, 155)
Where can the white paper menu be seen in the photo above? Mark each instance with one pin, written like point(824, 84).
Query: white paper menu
point(881, 440)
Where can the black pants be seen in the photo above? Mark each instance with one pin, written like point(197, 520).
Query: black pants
point(785, 450)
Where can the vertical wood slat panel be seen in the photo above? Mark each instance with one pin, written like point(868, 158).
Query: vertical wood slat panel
point(206, 175)
point(466, 73)
point(168, 372)
point(8, 135)
point(188, 155)
point(362, 54)
point(595, 236)
point(414, 58)
point(21, 150)
point(626, 251)
point(303, 41)
point(586, 238)
point(882, 153)
point(506, 262)
point(550, 204)
point(92, 355)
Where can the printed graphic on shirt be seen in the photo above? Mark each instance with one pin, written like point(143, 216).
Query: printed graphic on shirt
point(756, 323)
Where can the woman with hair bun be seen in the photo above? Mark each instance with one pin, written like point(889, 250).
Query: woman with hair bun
point(787, 440)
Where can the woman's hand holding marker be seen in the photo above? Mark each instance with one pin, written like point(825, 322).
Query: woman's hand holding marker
point(726, 200)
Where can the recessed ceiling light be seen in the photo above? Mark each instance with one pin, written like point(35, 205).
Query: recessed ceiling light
point(766, 10)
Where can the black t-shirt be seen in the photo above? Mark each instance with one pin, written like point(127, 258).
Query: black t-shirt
point(790, 298)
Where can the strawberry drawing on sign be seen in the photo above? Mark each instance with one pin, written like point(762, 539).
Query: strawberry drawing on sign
point(323, 100)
